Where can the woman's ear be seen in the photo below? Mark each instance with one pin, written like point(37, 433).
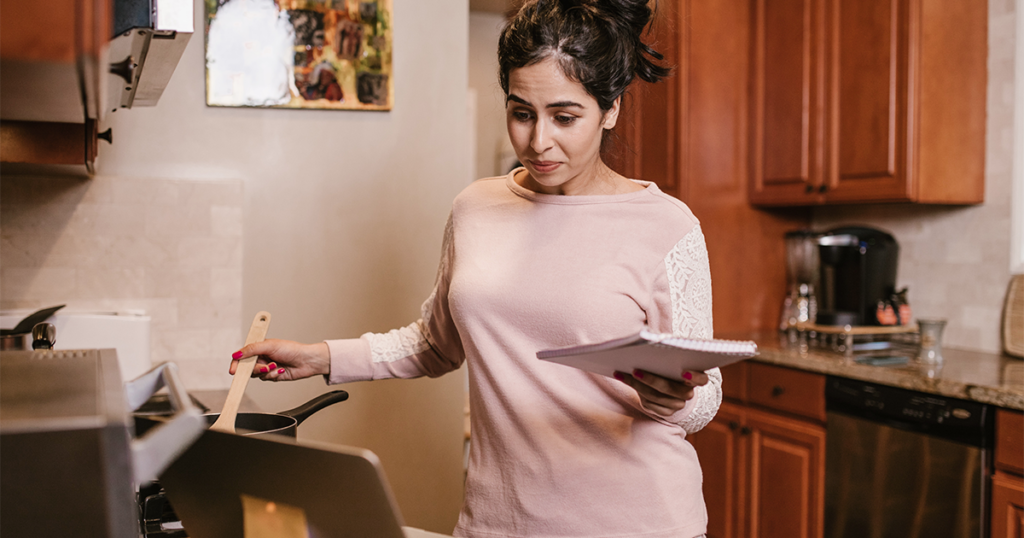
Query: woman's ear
point(611, 116)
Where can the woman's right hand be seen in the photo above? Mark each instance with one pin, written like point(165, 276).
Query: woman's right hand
point(284, 360)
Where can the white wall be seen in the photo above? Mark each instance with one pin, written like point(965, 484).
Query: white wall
point(956, 260)
point(343, 214)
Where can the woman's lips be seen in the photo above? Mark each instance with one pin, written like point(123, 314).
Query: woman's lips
point(545, 166)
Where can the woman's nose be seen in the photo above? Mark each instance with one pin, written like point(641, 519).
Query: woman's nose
point(540, 139)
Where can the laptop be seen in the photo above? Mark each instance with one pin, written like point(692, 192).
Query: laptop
point(233, 486)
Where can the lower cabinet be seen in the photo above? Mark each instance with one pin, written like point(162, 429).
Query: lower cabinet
point(764, 470)
point(1008, 479)
point(1007, 506)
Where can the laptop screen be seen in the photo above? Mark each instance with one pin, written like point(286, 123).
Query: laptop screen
point(233, 486)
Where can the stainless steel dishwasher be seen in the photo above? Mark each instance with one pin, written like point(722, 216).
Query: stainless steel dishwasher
point(904, 464)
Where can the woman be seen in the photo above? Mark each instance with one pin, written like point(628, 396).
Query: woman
point(561, 251)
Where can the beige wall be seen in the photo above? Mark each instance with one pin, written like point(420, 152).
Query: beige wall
point(340, 217)
point(956, 260)
point(491, 135)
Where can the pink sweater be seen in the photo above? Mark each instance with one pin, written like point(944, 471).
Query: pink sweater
point(557, 451)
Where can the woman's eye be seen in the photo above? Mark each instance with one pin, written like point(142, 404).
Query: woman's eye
point(565, 120)
point(521, 115)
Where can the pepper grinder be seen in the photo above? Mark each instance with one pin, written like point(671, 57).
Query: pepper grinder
point(44, 335)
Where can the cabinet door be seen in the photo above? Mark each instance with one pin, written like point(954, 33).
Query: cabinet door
point(646, 140)
point(787, 477)
point(722, 464)
point(1007, 506)
point(788, 101)
point(869, 122)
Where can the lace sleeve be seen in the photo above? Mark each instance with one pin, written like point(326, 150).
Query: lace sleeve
point(689, 276)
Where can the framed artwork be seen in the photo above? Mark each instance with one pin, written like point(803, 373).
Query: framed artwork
point(322, 54)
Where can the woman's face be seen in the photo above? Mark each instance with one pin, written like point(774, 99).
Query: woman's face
point(555, 127)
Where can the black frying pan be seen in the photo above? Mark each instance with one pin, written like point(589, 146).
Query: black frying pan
point(261, 424)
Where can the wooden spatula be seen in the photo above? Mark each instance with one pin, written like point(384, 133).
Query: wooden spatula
point(257, 332)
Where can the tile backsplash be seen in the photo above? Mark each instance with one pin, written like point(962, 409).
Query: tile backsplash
point(956, 260)
point(172, 248)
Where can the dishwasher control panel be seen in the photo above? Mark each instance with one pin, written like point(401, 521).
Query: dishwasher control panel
point(908, 409)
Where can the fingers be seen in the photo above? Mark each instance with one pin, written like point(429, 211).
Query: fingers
point(260, 349)
point(660, 395)
point(695, 378)
point(272, 372)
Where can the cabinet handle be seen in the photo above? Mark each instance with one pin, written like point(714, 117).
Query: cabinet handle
point(745, 430)
point(778, 391)
point(809, 188)
point(124, 69)
point(823, 187)
point(733, 425)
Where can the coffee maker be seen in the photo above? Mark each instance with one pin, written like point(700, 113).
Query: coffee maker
point(857, 275)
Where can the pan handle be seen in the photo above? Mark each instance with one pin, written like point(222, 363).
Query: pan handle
point(303, 411)
point(161, 445)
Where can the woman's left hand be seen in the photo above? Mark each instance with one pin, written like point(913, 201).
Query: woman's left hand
point(660, 395)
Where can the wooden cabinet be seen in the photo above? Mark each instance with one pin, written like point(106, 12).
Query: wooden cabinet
point(1007, 506)
point(868, 101)
point(52, 75)
point(1008, 482)
point(763, 463)
point(689, 134)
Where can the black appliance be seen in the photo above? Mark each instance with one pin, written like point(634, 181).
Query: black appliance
point(901, 463)
point(858, 271)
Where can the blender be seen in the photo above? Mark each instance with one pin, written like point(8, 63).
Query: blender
point(802, 262)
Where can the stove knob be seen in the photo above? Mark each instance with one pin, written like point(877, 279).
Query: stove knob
point(44, 335)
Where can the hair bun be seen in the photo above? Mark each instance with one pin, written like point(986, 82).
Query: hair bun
point(632, 18)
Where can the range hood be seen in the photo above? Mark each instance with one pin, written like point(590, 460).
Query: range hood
point(149, 38)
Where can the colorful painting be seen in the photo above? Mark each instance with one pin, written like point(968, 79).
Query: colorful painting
point(323, 54)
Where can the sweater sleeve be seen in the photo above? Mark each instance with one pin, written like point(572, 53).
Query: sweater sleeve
point(430, 346)
point(688, 274)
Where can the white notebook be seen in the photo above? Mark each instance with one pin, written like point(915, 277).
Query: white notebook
point(661, 354)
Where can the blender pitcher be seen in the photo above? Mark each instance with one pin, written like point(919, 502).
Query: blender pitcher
point(802, 262)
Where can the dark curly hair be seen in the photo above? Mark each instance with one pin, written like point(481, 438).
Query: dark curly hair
point(597, 43)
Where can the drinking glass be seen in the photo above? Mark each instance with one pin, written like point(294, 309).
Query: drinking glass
point(930, 351)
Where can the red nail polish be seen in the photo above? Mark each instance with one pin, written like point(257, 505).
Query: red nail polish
point(281, 371)
point(264, 370)
point(236, 355)
point(273, 365)
point(618, 375)
point(687, 375)
point(638, 374)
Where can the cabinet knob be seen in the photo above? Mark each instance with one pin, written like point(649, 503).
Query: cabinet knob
point(823, 187)
point(745, 430)
point(107, 135)
point(778, 391)
point(124, 69)
point(809, 188)
point(733, 425)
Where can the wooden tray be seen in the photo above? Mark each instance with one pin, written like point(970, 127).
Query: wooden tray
point(1013, 318)
point(857, 329)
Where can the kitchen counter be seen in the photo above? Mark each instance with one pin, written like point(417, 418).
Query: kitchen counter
point(988, 378)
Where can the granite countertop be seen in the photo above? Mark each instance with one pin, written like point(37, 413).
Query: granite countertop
point(989, 378)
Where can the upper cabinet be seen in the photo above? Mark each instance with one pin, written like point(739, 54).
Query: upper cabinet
point(65, 63)
point(52, 71)
point(868, 101)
